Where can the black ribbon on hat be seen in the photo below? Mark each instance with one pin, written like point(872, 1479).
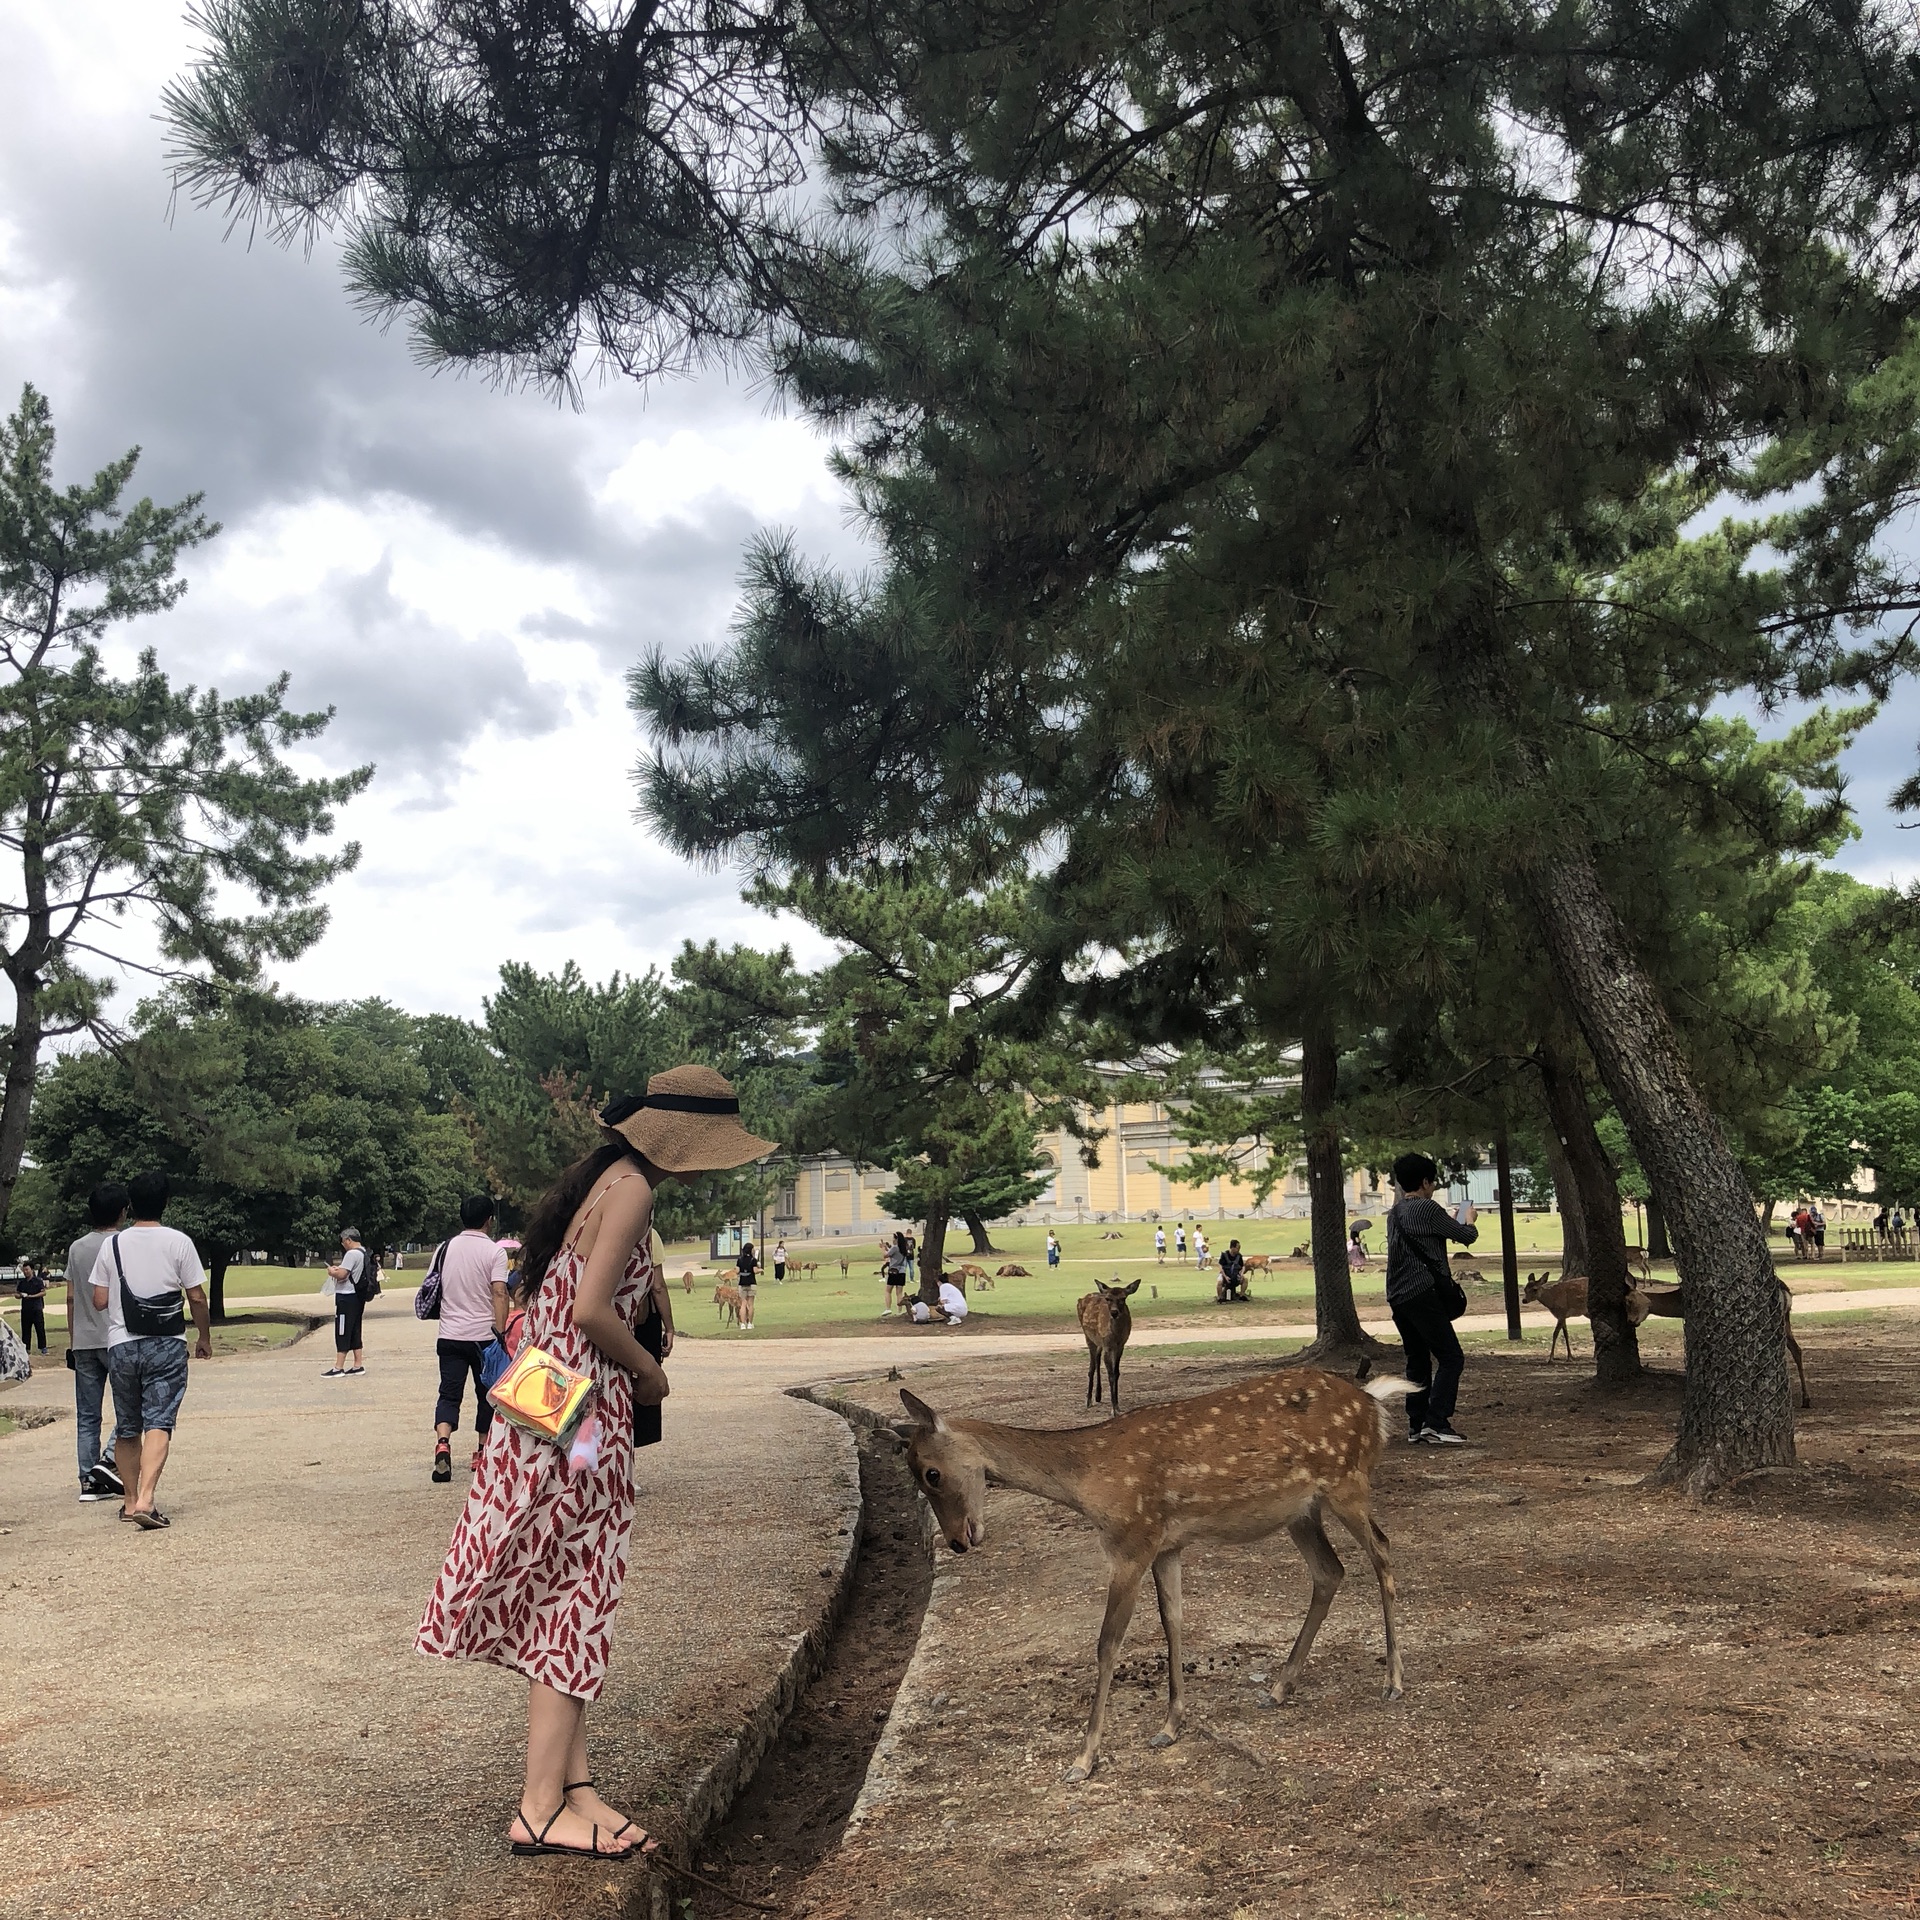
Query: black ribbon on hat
point(616, 1111)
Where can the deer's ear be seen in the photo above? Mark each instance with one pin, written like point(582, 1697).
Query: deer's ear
point(1134, 1288)
point(924, 1416)
point(902, 1430)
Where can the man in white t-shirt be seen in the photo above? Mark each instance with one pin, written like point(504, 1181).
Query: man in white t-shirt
point(473, 1309)
point(953, 1303)
point(343, 1283)
point(145, 1278)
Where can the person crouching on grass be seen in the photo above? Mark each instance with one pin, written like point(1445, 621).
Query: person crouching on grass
point(532, 1579)
point(1418, 1229)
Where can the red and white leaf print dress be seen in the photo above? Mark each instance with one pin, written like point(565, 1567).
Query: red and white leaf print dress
point(533, 1577)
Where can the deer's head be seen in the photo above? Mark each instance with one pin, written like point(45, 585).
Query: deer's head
point(948, 1468)
point(1531, 1291)
point(1117, 1293)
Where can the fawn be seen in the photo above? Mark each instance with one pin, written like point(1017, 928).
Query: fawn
point(1106, 1320)
point(1562, 1299)
point(1236, 1464)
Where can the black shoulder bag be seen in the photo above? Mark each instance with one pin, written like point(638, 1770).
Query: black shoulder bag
point(156, 1319)
point(1453, 1296)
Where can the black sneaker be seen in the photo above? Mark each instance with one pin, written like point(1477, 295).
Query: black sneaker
point(89, 1494)
point(105, 1480)
point(443, 1462)
point(1442, 1437)
point(1416, 1436)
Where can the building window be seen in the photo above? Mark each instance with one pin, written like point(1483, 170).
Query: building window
point(788, 1205)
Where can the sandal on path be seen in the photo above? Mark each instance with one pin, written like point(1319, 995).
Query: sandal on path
point(151, 1521)
point(646, 1843)
point(541, 1844)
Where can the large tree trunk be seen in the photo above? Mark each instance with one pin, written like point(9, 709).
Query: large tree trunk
point(1657, 1246)
point(1572, 1211)
point(1616, 1348)
point(16, 1104)
point(217, 1264)
point(1339, 1340)
point(1737, 1414)
point(982, 1240)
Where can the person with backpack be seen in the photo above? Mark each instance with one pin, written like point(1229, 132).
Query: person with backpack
point(473, 1307)
point(352, 1284)
point(1425, 1299)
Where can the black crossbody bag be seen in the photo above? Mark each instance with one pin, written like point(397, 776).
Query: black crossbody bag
point(165, 1314)
point(1453, 1296)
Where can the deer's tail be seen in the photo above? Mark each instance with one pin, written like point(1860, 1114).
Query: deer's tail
point(1389, 1387)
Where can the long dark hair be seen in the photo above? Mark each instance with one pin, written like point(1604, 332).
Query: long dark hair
point(558, 1205)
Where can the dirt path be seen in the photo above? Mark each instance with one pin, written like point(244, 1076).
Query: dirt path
point(227, 1719)
point(1618, 1702)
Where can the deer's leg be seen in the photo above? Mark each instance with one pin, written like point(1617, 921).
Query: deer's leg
point(1353, 1513)
point(1123, 1593)
point(1324, 1564)
point(1093, 1374)
point(1793, 1347)
point(1166, 1584)
point(1113, 1384)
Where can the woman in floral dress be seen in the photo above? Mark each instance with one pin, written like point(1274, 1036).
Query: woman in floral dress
point(532, 1580)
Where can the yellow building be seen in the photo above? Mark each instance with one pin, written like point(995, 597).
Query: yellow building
point(830, 1197)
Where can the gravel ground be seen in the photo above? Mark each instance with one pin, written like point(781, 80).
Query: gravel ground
point(227, 1719)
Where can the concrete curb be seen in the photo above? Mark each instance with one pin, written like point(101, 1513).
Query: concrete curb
point(710, 1796)
point(878, 1787)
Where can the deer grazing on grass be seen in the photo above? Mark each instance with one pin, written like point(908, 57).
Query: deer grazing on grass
point(1235, 1465)
point(1644, 1300)
point(1106, 1320)
point(1564, 1299)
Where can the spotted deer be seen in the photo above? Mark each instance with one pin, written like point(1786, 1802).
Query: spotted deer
point(1564, 1299)
point(1234, 1465)
point(1106, 1320)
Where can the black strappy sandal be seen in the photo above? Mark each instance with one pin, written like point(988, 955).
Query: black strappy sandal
point(541, 1844)
point(644, 1844)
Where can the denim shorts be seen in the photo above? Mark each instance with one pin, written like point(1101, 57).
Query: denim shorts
point(149, 1381)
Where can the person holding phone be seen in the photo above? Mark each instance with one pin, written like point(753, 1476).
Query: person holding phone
point(1419, 1289)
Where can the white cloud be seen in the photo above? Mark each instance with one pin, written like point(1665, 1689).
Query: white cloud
point(464, 574)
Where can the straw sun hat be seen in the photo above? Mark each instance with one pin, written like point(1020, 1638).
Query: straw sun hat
point(689, 1122)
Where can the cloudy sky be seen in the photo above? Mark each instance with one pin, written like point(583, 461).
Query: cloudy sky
point(464, 574)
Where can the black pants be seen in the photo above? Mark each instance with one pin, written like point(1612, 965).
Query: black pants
point(458, 1359)
point(347, 1310)
point(1434, 1359)
point(33, 1318)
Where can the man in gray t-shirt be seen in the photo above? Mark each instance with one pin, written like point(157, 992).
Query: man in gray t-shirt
point(87, 1342)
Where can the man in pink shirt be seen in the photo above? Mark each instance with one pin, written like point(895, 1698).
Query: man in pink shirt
point(473, 1309)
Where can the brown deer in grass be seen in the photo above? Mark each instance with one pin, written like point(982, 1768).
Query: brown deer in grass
point(1671, 1301)
point(1564, 1299)
point(726, 1297)
point(1106, 1320)
point(1235, 1465)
